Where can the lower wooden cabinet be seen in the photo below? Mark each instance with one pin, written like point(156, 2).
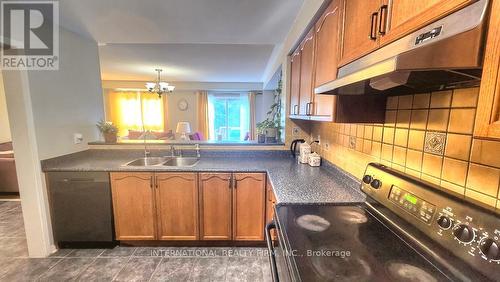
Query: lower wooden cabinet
point(177, 206)
point(133, 205)
point(270, 202)
point(215, 206)
point(249, 197)
point(189, 206)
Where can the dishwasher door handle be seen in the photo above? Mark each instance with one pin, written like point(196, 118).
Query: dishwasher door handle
point(272, 259)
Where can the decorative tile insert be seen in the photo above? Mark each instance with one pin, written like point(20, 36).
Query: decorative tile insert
point(434, 142)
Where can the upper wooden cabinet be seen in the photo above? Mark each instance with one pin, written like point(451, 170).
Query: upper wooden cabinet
point(215, 206)
point(327, 34)
point(405, 16)
point(133, 205)
point(488, 109)
point(369, 25)
point(177, 206)
point(249, 206)
point(306, 73)
point(295, 82)
point(360, 28)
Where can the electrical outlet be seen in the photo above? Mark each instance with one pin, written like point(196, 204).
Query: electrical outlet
point(295, 132)
point(77, 138)
point(326, 145)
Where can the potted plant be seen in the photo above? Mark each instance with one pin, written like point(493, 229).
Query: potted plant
point(108, 131)
point(261, 131)
point(269, 130)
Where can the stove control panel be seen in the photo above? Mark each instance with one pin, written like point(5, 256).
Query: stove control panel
point(468, 229)
point(412, 204)
point(478, 238)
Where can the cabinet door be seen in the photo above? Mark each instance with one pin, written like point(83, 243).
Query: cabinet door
point(177, 206)
point(488, 108)
point(306, 73)
point(295, 83)
point(215, 206)
point(249, 206)
point(359, 24)
point(270, 201)
point(406, 16)
point(133, 205)
point(328, 31)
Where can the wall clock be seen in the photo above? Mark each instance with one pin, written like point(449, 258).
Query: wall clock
point(182, 105)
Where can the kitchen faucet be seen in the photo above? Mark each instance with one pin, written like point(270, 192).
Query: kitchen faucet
point(197, 147)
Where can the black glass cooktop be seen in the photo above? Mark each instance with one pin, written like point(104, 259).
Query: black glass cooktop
point(347, 243)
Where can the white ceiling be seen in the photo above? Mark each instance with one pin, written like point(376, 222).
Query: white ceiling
point(192, 40)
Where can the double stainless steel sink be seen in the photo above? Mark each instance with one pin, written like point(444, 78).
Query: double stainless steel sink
point(164, 161)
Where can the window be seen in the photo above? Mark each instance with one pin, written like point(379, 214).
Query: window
point(124, 110)
point(229, 116)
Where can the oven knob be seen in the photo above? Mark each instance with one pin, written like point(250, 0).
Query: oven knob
point(489, 248)
point(367, 179)
point(376, 184)
point(444, 222)
point(464, 233)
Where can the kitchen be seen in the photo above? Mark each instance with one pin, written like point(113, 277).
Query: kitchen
point(397, 100)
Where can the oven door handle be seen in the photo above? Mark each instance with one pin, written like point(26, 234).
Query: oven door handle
point(272, 259)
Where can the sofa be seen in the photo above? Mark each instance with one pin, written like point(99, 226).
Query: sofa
point(8, 176)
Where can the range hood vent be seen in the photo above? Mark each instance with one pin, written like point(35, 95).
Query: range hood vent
point(446, 54)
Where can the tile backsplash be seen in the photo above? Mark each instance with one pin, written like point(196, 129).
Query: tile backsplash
point(429, 136)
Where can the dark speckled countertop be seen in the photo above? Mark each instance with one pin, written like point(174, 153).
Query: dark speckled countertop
point(292, 182)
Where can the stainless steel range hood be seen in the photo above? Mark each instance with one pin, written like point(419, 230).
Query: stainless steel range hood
point(446, 54)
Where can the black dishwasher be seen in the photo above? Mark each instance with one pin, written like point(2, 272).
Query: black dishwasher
point(81, 208)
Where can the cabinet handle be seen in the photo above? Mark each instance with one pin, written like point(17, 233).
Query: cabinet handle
point(373, 21)
point(235, 183)
point(382, 24)
point(156, 182)
point(296, 109)
point(308, 108)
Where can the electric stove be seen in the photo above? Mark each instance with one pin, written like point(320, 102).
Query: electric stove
point(406, 230)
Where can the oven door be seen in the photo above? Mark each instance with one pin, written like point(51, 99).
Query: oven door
point(277, 255)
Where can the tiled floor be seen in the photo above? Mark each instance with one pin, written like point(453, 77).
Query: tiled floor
point(123, 263)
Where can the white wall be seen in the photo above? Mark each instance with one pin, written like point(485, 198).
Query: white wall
point(299, 28)
point(174, 115)
point(45, 109)
point(68, 101)
point(4, 117)
point(263, 104)
point(186, 85)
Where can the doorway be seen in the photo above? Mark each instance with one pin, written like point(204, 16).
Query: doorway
point(12, 232)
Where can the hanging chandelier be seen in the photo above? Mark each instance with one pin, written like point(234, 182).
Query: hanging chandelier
point(159, 87)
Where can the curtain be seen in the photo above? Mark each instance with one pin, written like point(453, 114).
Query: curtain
point(127, 110)
point(251, 101)
point(203, 119)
